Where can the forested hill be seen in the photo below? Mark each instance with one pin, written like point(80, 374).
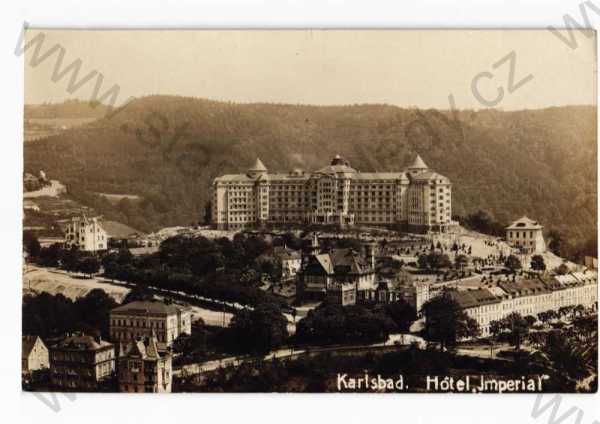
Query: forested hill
point(168, 149)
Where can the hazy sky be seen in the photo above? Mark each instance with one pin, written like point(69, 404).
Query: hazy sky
point(405, 68)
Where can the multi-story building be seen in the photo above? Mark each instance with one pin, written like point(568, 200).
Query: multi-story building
point(85, 233)
point(142, 368)
point(342, 275)
point(341, 293)
point(417, 198)
point(527, 297)
point(527, 235)
point(34, 354)
point(81, 363)
point(481, 305)
point(289, 260)
point(145, 318)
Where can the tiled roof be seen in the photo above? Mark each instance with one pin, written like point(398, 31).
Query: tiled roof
point(145, 348)
point(348, 261)
point(379, 176)
point(283, 253)
point(473, 298)
point(428, 176)
point(524, 223)
point(523, 287)
point(336, 169)
point(83, 342)
point(139, 307)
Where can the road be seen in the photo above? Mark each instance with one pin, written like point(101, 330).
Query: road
point(197, 368)
point(54, 281)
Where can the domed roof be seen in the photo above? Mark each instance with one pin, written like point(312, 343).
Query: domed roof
point(338, 160)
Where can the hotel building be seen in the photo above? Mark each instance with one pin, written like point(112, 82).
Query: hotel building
point(417, 199)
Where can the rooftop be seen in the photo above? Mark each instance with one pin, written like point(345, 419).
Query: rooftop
point(27, 344)
point(473, 298)
point(83, 342)
point(338, 165)
point(419, 163)
point(143, 307)
point(524, 223)
point(144, 348)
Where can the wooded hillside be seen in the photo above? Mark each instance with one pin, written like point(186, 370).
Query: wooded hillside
point(168, 149)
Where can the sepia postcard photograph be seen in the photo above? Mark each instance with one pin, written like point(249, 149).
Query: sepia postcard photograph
point(309, 211)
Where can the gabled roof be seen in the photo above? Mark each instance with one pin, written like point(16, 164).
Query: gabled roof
point(144, 348)
point(347, 261)
point(27, 344)
point(284, 253)
point(324, 260)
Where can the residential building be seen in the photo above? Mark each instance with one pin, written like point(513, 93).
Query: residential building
point(526, 235)
point(527, 297)
point(415, 293)
point(145, 318)
point(289, 260)
point(34, 354)
point(81, 363)
point(85, 233)
point(417, 199)
point(142, 368)
point(342, 293)
point(333, 274)
point(481, 305)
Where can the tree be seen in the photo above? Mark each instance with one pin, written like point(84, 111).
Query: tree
point(70, 259)
point(94, 309)
point(555, 242)
point(496, 328)
point(137, 293)
point(446, 322)
point(461, 261)
point(562, 269)
point(402, 313)
point(89, 265)
point(512, 263)
point(259, 330)
point(537, 263)
point(31, 244)
point(517, 327)
point(434, 261)
point(438, 260)
point(207, 219)
point(331, 323)
point(423, 261)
